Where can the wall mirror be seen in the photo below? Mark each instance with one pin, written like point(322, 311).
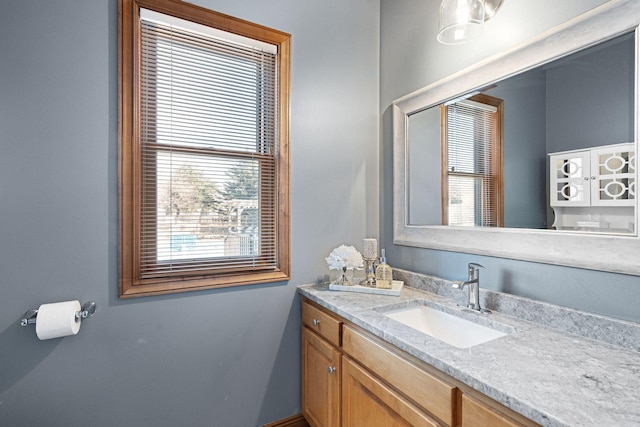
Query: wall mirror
point(562, 111)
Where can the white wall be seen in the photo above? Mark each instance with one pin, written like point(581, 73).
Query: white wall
point(225, 358)
point(412, 58)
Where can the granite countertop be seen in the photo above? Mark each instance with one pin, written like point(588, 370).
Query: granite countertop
point(551, 376)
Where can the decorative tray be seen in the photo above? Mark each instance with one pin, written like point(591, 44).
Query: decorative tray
point(396, 287)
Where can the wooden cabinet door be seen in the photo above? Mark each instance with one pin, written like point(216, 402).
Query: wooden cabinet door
point(476, 414)
point(320, 381)
point(368, 402)
point(433, 395)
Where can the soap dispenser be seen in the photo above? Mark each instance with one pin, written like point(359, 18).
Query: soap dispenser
point(384, 273)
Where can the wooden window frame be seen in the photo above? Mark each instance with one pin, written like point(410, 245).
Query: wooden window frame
point(129, 156)
point(497, 166)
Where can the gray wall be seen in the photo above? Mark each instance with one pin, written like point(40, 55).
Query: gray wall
point(226, 357)
point(524, 150)
point(582, 101)
point(425, 168)
point(412, 58)
point(590, 98)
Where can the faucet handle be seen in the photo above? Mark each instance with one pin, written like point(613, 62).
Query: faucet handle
point(474, 270)
point(458, 285)
point(475, 266)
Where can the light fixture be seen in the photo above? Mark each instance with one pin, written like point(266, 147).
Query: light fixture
point(462, 20)
point(491, 8)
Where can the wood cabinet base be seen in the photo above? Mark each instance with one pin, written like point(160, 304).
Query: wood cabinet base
point(294, 421)
point(363, 381)
point(320, 381)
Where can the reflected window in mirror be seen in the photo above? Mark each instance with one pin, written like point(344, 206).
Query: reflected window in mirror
point(472, 166)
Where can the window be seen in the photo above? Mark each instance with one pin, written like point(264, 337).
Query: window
point(204, 164)
point(472, 184)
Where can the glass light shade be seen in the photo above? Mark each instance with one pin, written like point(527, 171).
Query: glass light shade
point(491, 8)
point(460, 20)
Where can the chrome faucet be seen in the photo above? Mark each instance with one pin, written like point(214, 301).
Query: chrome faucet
point(473, 283)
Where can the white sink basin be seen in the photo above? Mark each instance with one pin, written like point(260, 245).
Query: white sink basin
point(451, 329)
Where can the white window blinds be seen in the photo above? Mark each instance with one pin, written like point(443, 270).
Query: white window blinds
point(471, 164)
point(207, 148)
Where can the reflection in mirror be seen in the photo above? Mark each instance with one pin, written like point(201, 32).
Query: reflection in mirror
point(472, 166)
point(424, 168)
point(562, 163)
point(593, 189)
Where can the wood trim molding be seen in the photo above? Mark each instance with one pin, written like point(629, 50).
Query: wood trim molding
point(497, 155)
point(444, 165)
point(131, 284)
point(293, 421)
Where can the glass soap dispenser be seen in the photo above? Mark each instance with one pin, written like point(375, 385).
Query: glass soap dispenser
point(383, 273)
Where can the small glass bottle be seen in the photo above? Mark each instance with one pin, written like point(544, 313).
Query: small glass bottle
point(383, 274)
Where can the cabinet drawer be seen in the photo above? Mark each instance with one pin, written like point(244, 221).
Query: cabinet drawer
point(477, 414)
point(428, 391)
point(321, 322)
point(367, 401)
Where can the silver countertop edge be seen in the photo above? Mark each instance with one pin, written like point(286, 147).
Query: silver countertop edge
point(549, 376)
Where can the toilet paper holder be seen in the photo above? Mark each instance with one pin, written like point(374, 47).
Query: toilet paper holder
point(88, 309)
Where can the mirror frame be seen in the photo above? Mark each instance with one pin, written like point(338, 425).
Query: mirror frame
point(612, 253)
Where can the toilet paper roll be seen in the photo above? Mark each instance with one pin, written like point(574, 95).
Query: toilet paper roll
point(57, 320)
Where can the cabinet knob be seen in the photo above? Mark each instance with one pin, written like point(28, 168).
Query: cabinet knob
point(315, 322)
point(593, 177)
point(331, 369)
point(586, 178)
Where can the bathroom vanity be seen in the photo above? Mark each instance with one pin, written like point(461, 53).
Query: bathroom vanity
point(364, 381)
point(360, 366)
